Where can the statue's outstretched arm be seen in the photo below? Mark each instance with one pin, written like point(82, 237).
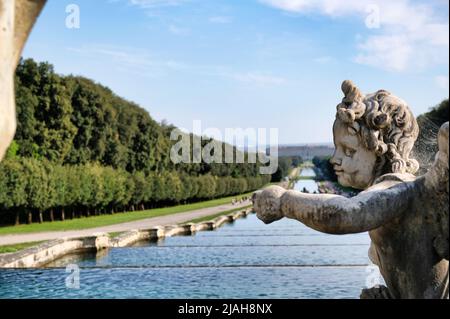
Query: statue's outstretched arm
point(336, 214)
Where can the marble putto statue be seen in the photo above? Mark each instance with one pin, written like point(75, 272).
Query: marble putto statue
point(406, 216)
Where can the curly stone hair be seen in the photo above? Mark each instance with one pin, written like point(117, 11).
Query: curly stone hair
point(385, 124)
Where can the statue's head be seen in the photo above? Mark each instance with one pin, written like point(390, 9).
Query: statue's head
point(373, 135)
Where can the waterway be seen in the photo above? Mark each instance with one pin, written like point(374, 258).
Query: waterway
point(247, 259)
point(307, 184)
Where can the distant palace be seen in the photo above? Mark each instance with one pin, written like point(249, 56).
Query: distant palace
point(306, 151)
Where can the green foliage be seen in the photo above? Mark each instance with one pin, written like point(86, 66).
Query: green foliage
point(38, 186)
point(13, 150)
point(81, 150)
point(426, 146)
point(324, 169)
point(108, 219)
point(17, 247)
point(212, 217)
point(72, 120)
point(438, 114)
point(44, 112)
point(285, 164)
point(13, 184)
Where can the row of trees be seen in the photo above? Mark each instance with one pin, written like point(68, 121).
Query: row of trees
point(73, 120)
point(324, 169)
point(285, 164)
point(38, 190)
point(426, 146)
point(80, 149)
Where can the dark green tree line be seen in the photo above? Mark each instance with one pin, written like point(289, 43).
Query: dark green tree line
point(81, 150)
point(33, 190)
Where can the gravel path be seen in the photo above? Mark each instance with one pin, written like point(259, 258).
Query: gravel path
point(138, 224)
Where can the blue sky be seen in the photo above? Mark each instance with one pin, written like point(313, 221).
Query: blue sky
point(251, 63)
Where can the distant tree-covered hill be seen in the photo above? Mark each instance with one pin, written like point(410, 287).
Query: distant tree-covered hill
point(72, 120)
point(429, 123)
point(80, 148)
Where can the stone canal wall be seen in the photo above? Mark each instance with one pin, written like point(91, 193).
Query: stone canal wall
point(47, 252)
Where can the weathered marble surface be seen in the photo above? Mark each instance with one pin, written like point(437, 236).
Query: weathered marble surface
point(44, 253)
point(17, 17)
point(406, 216)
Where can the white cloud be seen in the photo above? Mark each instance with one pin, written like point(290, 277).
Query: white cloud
point(323, 59)
point(149, 4)
point(131, 60)
point(328, 7)
point(410, 35)
point(179, 31)
point(220, 19)
point(126, 56)
point(141, 62)
point(258, 79)
point(390, 52)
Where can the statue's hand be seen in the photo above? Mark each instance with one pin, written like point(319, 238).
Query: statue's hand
point(267, 204)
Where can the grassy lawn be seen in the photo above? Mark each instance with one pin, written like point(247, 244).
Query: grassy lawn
point(16, 247)
point(211, 217)
point(106, 220)
point(115, 234)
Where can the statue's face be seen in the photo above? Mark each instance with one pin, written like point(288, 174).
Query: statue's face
point(353, 163)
